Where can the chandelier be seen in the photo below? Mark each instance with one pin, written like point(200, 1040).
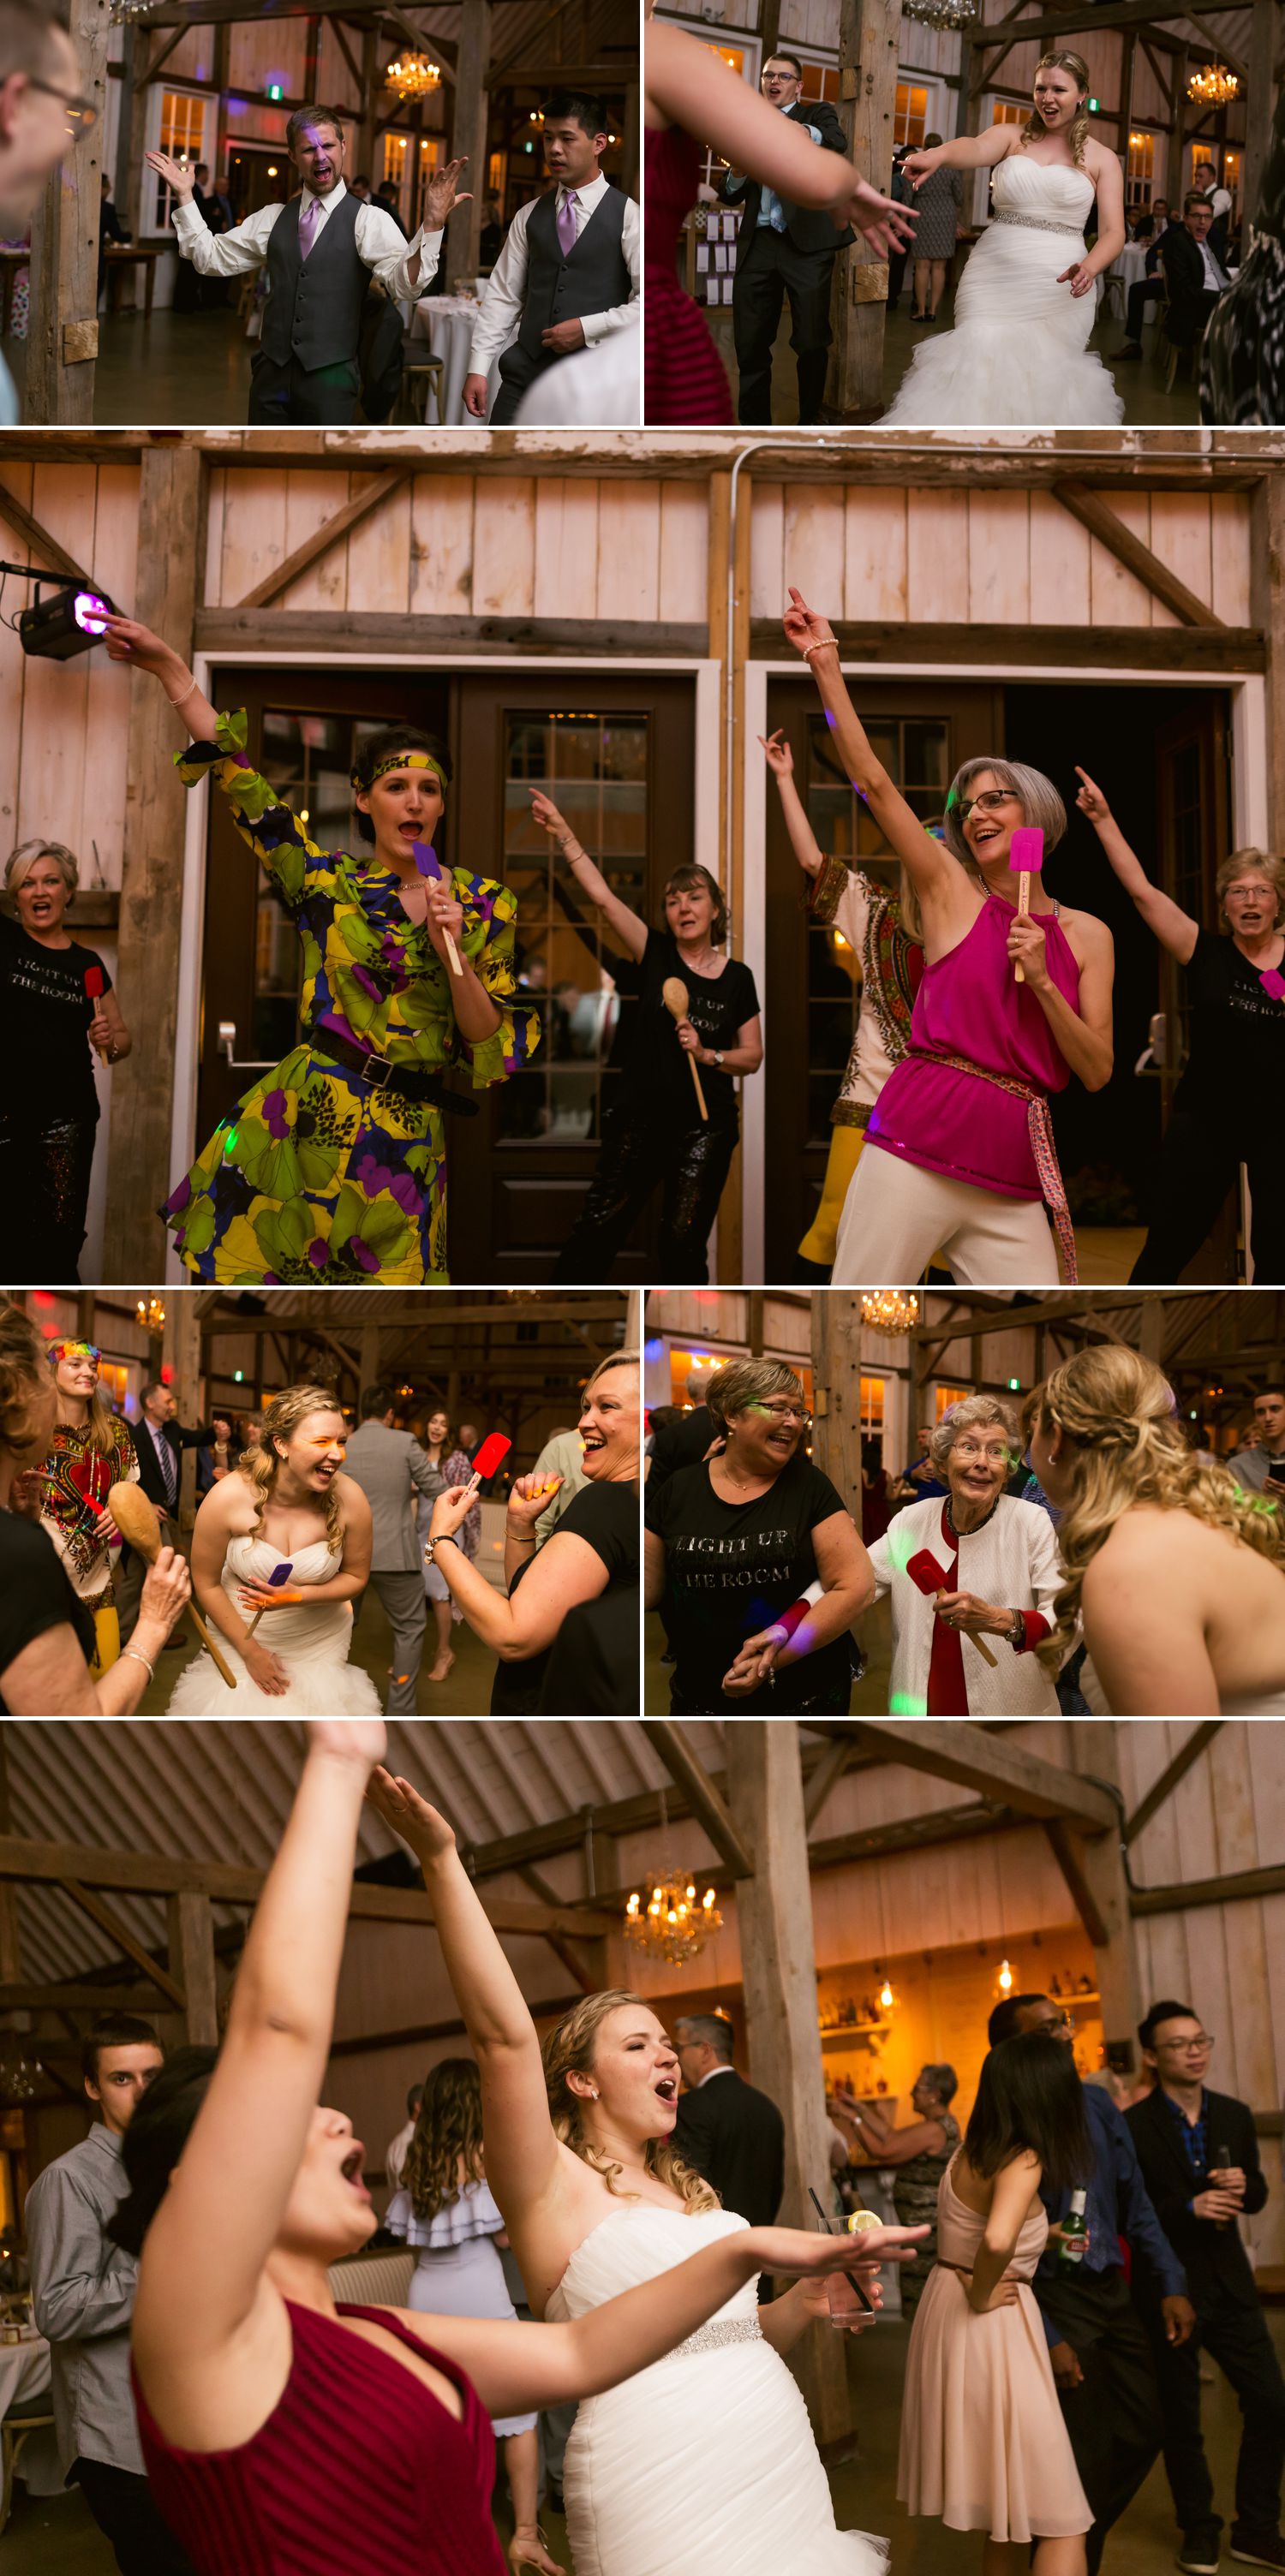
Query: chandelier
point(1213, 87)
point(889, 1310)
point(942, 13)
point(151, 1312)
point(413, 76)
point(671, 1924)
point(17, 2075)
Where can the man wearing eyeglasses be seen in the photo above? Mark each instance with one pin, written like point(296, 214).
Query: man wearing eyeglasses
point(1199, 2154)
point(784, 250)
point(1099, 2348)
point(41, 114)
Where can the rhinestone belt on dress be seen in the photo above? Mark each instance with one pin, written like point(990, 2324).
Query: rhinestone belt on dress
point(712, 2338)
point(1036, 223)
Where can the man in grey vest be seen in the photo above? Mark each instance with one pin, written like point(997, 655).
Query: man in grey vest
point(570, 267)
point(390, 1466)
point(321, 251)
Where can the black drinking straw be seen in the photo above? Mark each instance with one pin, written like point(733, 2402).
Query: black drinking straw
point(867, 2304)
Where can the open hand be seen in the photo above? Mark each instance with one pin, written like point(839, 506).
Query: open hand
point(1090, 799)
point(409, 1815)
point(1004, 2295)
point(1079, 278)
point(443, 193)
point(887, 226)
point(253, 1595)
point(793, 2249)
point(266, 1670)
point(179, 177)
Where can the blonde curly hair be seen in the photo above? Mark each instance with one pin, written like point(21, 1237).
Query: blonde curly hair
point(24, 1377)
point(1076, 65)
point(569, 2050)
point(261, 1467)
point(448, 2135)
point(1119, 1411)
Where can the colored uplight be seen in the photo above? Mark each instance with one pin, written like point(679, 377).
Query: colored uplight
point(90, 612)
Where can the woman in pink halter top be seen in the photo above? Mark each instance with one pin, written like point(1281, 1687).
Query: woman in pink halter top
point(959, 1149)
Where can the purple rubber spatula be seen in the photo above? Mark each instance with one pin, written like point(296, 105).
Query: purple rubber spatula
point(279, 1576)
point(928, 1576)
point(1026, 854)
point(429, 865)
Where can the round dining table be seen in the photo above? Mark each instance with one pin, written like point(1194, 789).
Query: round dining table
point(26, 2378)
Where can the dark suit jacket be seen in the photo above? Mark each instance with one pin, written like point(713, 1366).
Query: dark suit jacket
point(149, 1465)
point(1185, 280)
point(1217, 2266)
point(735, 2137)
point(681, 1444)
point(806, 227)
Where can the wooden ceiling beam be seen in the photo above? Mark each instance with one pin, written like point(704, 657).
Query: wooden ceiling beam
point(1068, 1852)
point(704, 1798)
point(47, 552)
point(1078, 21)
point(1102, 522)
point(981, 1761)
point(109, 1921)
point(326, 536)
point(1240, 1887)
point(1162, 1789)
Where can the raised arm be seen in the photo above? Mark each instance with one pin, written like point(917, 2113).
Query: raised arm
point(127, 641)
point(1173, 927)
point(522, 2153)
point(967, 152)
point(939, 881)
point(803, 840)
point(207, 2327)
point(629, 929)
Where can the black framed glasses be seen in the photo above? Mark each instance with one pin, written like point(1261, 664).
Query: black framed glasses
point(990, 801)
point(82, 113)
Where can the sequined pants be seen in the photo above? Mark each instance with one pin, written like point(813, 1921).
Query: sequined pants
point(44, 1191)
point(690, 1165)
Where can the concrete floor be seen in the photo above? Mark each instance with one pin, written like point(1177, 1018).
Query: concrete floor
point(466, 1692)
point(57, 2538)
point(1140, 386)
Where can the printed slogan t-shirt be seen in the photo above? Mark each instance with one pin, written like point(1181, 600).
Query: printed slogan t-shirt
point(646, 1048)
point(44, 1024)
point(731, 1568)
point(1236, 1067)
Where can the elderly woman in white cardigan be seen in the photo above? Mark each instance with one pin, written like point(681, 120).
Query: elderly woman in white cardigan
point(972, 1580)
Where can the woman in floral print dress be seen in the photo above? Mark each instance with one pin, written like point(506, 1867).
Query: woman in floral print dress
point(333, 1168)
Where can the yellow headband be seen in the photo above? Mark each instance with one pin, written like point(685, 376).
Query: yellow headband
point(401, 760)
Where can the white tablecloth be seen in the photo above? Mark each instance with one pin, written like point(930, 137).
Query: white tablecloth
point(26, 2379)
point(447, 323)
point(1131, 264)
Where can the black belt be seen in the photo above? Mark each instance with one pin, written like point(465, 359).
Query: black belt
point(410, 1082)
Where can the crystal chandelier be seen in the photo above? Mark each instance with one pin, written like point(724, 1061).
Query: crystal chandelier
point(413, 76)
point(151, 1312)
point(17, 2074)
point(671, 1924)
point(942, 13)
point(889, 1310)
point(1213, 87)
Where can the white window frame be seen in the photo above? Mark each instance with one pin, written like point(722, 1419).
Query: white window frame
point(146, 229)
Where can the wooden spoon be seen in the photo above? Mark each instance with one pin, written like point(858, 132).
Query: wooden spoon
point(136, 1521)
point(674, 995)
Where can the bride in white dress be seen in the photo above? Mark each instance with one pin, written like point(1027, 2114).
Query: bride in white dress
point(1018, 355)
point(287, 1503)
point(704, 2464)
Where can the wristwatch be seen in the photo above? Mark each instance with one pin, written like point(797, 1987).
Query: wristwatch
point(717, 1054)
point(447, 1539)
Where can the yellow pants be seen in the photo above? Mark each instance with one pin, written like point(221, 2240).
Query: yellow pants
point(106, 1639)
point(823, 1234)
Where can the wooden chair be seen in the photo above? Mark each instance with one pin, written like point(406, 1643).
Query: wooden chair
point(422, 373)
point(30, 2415)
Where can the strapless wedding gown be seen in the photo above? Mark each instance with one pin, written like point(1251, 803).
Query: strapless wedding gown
point(1018, 356)
point(704, 2465)
point(312, 1642)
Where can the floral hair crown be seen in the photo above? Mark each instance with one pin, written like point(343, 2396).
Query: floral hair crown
point(73, 1351)
point(399, 760)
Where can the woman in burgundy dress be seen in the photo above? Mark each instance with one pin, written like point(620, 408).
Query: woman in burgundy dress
point(285, 2435)
point(693, 101)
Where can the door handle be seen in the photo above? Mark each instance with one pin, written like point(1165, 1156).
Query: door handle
point(240, 1063)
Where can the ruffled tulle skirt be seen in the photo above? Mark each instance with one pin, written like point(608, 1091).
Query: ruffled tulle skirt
point(1018, 356)
point(320, 1686)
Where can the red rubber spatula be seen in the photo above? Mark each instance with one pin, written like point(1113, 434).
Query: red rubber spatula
point(1026, 854)
point(429, 865)
point(494, 1450)
point(94, 993)
point(928, 1576)
point(278, 1578)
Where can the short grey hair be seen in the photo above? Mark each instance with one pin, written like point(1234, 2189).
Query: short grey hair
point(21, 861)
point(979, 1410)
point(942, 2079)
point(709, 2030)
point(1042, 807)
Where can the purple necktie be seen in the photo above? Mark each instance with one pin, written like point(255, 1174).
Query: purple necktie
point(308, 222)
point(567, 224)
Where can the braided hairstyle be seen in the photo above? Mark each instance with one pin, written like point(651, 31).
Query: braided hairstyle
point(569, 2050)
point(1076, 65)
point(1119, 1410)
point(262, 1466)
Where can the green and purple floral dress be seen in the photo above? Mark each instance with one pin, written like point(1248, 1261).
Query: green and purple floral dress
point(318, 1175)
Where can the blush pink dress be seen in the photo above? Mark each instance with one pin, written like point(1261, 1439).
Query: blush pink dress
point(983, 2444)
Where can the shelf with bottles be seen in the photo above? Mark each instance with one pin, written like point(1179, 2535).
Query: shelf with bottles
point(853, 2032)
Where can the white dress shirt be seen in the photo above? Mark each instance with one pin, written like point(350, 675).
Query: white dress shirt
point(379, 243)
point(505, 296)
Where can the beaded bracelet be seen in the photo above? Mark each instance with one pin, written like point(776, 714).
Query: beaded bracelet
point(819, 647)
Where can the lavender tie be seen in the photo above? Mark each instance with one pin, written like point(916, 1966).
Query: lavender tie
point(308, 222)
point(567, 224)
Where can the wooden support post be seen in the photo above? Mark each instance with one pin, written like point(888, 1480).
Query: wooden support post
point(1096, 1754)
point(731, 1211)
point(1124, 120)
point(171, 573)
point(62, 332)
point(629, 141)
point(181, 1355)
point(836, 1393)
point(369, 1362)
point(1175, 183)
point(369, 103)
point(769, 29)
point(1267, 599)
point(190, 1918)
point(132, 175)
point(468, 135)
point(778, 1966)
point(1151, 1337)
point(1266, 37)
point(869, 39)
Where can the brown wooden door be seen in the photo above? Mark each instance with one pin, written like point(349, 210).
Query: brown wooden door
point(921, 731)
point(616, 755)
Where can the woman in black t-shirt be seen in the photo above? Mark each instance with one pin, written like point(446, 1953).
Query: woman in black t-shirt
point(1227, 1107)
point(737, 1540)
point(56, 1006)
point(654, 1135)
point(592, 1555)
point(46, 1637)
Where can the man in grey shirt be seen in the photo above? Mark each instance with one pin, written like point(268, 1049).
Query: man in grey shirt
point(82, 2289)
point(390, 1468)
point(1249, 1466)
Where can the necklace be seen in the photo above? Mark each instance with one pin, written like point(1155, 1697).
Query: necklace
point(699, 965)
point(972, 1533)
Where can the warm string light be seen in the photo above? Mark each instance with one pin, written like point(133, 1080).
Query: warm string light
point(889, 1310)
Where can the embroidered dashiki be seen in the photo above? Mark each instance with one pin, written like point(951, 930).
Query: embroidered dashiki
point(892, 965)
point(318, 1174)
point(77, 1477)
